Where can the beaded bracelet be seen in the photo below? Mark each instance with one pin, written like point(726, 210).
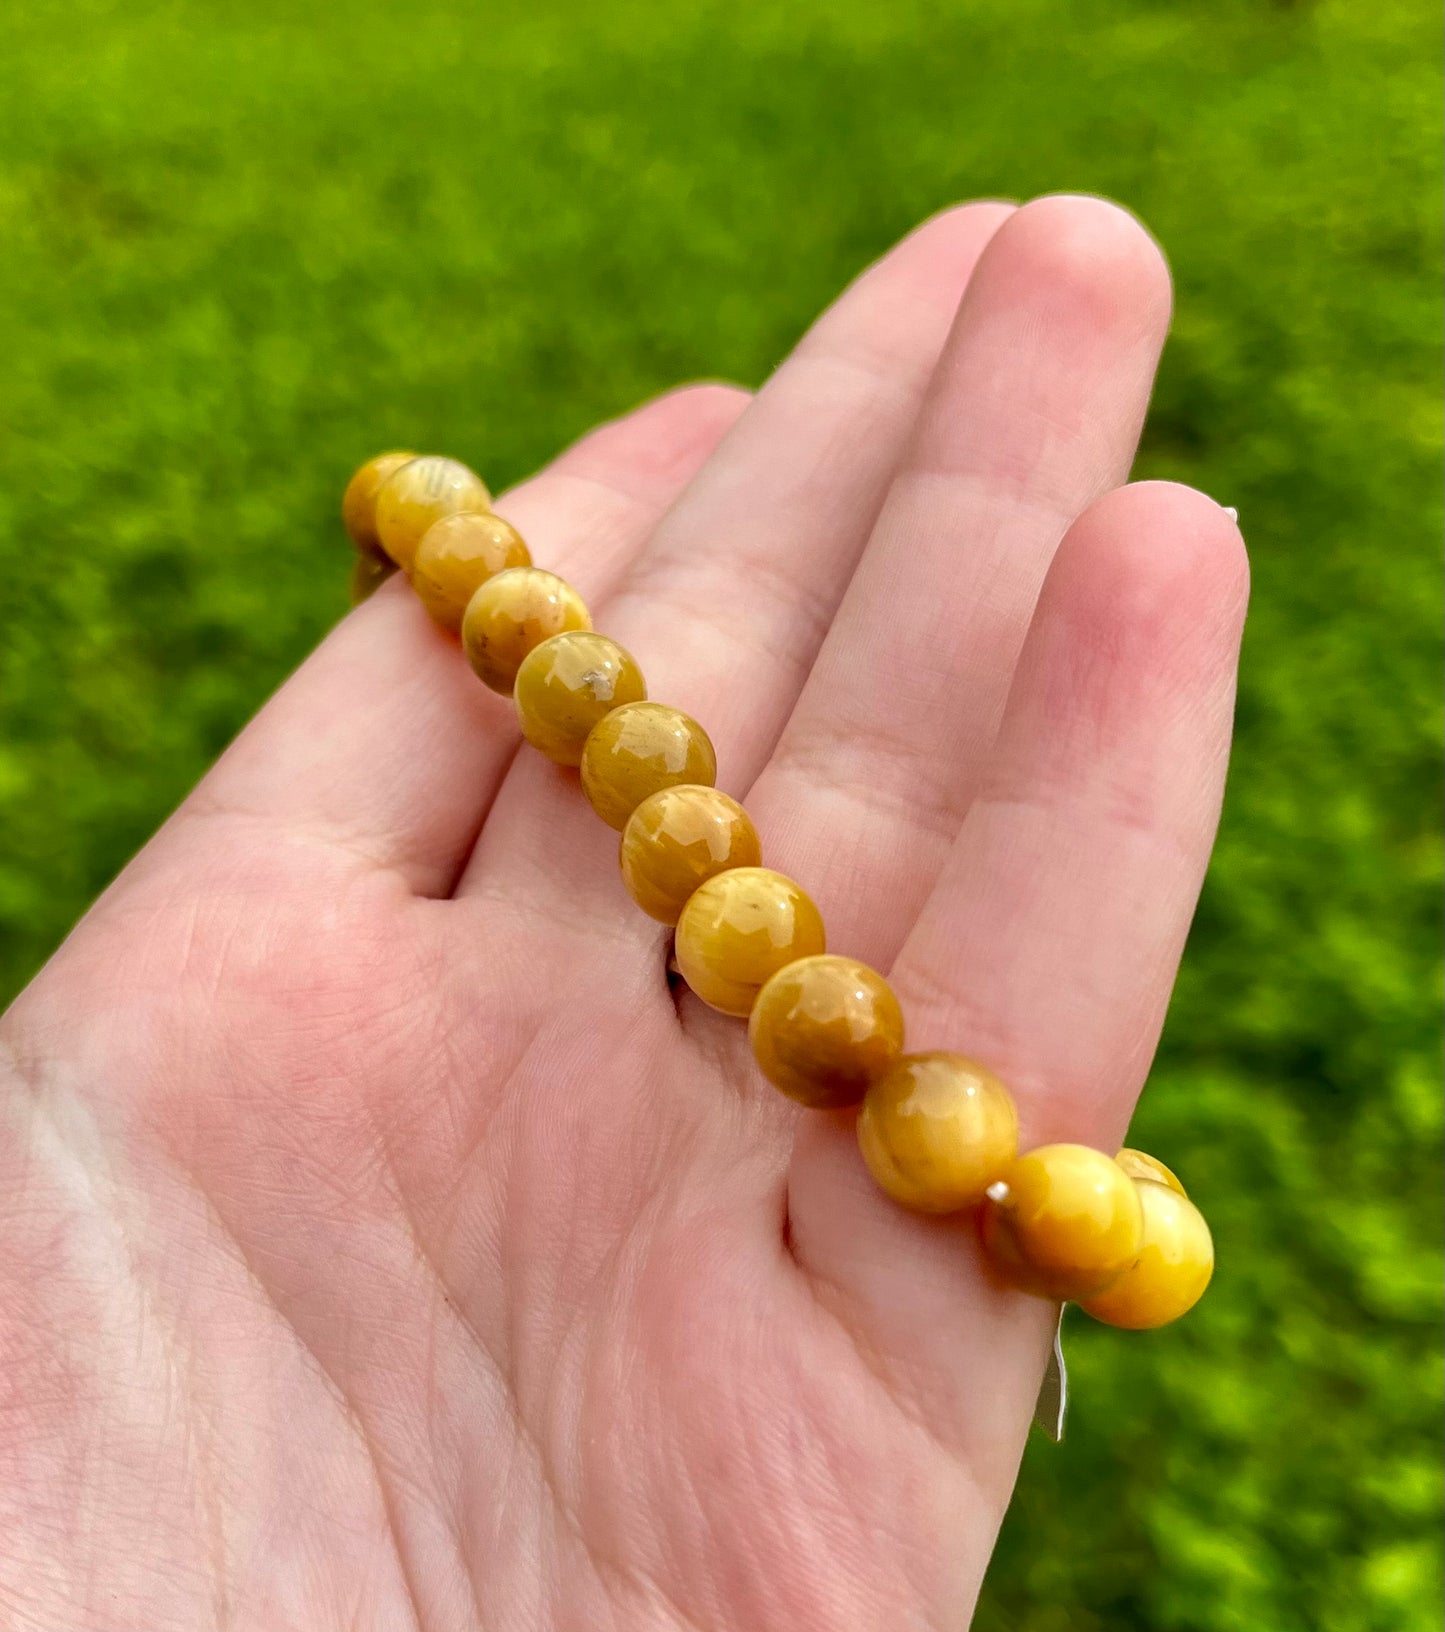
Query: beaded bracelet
point(939, 1132)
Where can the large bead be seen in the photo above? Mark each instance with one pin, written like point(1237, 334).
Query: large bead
point(358, 503)
point(739, 929)
point(824, 1028)
point(676, 840)
point(567, 684)
point(457, 555)
point(637, 749)
point(937, 1130)
point(1064, 1221)
point(1172, 1270)
point(512, 614)
point(417, 495)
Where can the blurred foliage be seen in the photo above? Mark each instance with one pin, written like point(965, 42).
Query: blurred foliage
point(248, 243)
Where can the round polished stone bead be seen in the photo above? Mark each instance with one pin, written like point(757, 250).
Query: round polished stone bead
point(368, 573)
point(739, 929)
point(513, 613)
point(358, 503)
point(567, 684)
point(824, 1028)
point(676, 840)
point(1139, 1164)
point(417, 495)
point(1064, 1221)
point(937, 1130)
point(1172, 1270)
point(457, 555)
point(637, 749)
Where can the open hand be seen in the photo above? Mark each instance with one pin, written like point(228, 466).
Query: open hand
point(384, 1245)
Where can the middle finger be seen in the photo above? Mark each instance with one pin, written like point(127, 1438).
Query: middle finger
point(1034, 412)
point(726, 606)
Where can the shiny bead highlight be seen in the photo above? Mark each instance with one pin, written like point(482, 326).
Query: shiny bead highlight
point(569, 683)
point(1173, 1268)
point(512, 614)
point(824, 1028)
point(937, 1130)
point(457, 555)
point(739, 929)
point(676, 840)
point(1064, 1221)
point(417, 495)
point(638, 749)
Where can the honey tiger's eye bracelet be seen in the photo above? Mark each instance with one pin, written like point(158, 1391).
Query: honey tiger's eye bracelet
point(938, 1131)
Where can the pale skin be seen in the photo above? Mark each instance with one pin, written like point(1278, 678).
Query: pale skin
point(383, 1245)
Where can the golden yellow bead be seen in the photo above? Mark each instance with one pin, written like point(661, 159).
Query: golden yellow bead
point(1064, 1221)
point(368, 573)
point(457, 555)
point(739, 929)
point(358, 503)
point(824, 1028)
point(566, 685)
point(417, 495)
point(513, 613)
point(676, 840)
point(1140, 1165)
point(638, 749)
point(1172, 1270)
point(937, 1130)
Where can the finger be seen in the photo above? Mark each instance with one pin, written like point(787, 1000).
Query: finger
point(1034, 412)
point(1049, 947)
point(726, 606)
point(383, 743)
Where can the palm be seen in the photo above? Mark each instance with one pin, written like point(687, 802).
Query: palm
point(410, 1252)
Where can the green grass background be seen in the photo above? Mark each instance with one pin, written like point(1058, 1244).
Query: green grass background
point(241, 248)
